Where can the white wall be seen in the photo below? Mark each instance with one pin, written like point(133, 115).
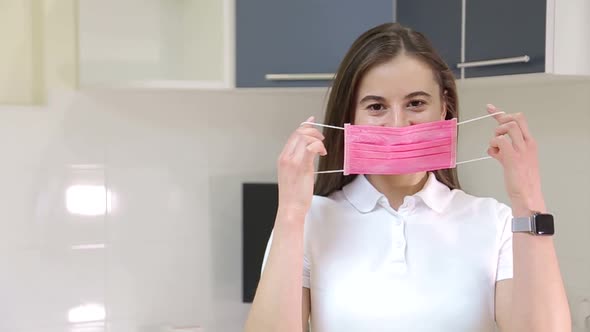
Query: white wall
point(558, 111)
point(174, 163)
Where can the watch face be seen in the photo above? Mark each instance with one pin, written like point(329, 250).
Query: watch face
point(544, 224)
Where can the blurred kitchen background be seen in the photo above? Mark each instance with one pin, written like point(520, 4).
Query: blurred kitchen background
point(128, 128)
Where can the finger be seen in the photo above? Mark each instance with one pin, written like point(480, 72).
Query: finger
point(494, 153)
point(313, 132)
point(308, 135)
point(306, 125)
point(312, 150)
point(524, 126)
point(493, 109)
point(293, 139)
point(502, 144)
point(501, 117)
point(518, 117)
point(291, 144)
point(309, 139)
point(302, 153)
point(514, 132)
point(303, 141)
point(317, 148)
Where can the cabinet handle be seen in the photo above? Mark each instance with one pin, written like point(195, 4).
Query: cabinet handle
point(517, 59)
point(300, 77)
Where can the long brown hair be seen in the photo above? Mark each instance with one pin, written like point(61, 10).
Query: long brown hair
point(376, 46)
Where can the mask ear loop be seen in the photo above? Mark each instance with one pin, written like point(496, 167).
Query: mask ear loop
point(325, 126)
point(481, 117)
point(322, 125)
point(471, 120)
point(458, 124)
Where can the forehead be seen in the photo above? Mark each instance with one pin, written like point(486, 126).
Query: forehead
point(398, 77)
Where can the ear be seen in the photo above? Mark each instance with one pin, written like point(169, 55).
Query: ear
point(443, 111)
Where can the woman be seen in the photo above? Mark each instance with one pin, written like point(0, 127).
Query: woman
point(405, 252)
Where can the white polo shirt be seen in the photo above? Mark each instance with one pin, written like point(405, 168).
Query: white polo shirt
point(429, 266)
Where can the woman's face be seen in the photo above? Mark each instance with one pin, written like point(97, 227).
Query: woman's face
point(399, 93)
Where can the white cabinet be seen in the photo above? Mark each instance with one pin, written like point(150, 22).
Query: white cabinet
point(156, 43)
point(38, 52)
point(568, 37)
point(20, 59)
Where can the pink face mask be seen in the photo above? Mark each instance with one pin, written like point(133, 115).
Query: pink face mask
point(400, 150)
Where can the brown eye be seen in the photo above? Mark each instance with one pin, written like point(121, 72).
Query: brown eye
point(416, 103)
point(376, 107)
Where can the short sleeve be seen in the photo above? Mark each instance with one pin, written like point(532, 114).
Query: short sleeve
point(306, 270)
point(505, 265)
point(306, 265)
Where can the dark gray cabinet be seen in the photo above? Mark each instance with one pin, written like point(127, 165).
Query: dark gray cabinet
point(299, 37)
point(502, 29)
point(312, 36)
point(439, 21)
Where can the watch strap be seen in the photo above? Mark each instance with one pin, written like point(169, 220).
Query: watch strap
point(522, 224)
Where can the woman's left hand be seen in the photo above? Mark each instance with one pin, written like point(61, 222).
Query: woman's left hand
point(518, 156)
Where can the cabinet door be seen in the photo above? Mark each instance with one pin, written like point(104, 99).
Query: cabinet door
point(439, 21)
point(151, 42)
point(295, 37)
point(21, 71)
point(503, 29)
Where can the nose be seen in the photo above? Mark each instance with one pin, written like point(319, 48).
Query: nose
point(398, 118)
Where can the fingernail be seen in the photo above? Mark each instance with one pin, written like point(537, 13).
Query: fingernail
point(310, 119)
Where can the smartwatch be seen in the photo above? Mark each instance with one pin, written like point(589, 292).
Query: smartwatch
point(537, 224)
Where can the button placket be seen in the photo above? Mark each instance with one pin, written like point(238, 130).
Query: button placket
point(398, 239)
point(398, 242)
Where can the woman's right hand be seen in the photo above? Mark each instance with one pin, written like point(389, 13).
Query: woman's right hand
point(296, 169)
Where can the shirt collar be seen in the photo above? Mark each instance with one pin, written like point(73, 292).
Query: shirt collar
point(364, 197)
point(361, 194)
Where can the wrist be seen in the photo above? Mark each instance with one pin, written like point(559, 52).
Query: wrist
point(524, 207)
point(290, 214)
point(519, 211)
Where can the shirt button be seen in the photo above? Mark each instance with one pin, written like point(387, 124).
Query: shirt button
point(399, 244)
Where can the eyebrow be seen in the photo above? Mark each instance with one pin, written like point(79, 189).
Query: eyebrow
point(417, 94)
point(380, 99)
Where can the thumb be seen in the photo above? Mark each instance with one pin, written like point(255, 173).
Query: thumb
point(494, 152)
